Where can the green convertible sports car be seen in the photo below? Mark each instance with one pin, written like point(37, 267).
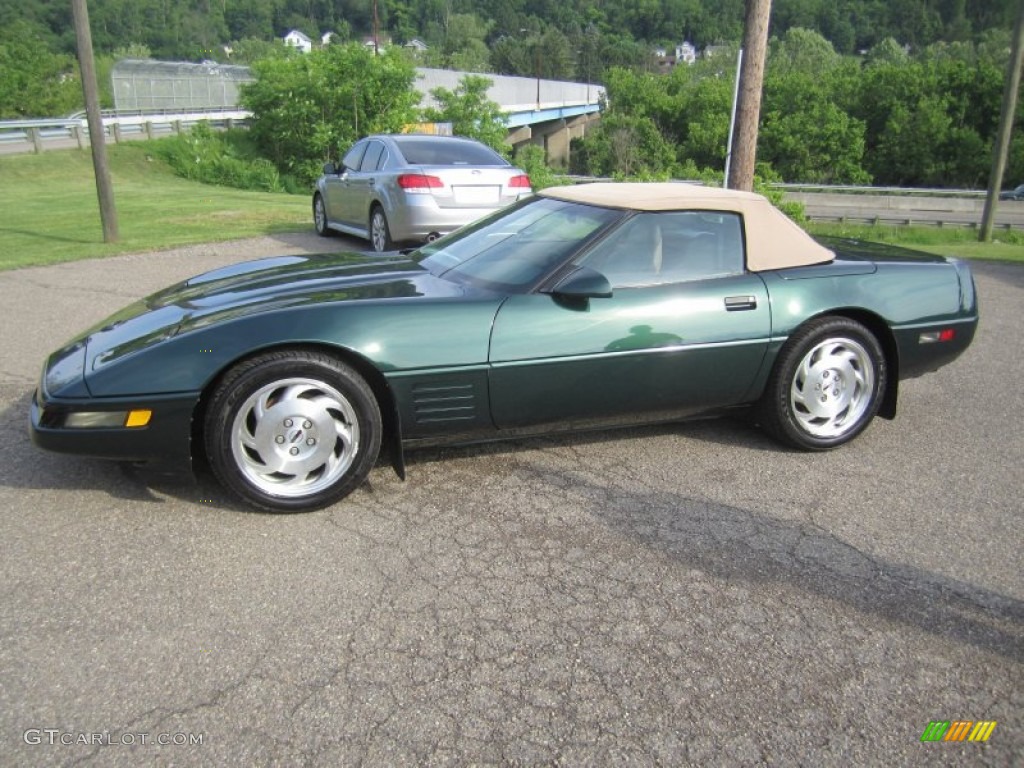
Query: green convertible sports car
point(579, 307)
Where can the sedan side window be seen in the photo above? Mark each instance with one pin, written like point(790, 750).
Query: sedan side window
point(354, 156)
point(372, 157)
point(677, 246)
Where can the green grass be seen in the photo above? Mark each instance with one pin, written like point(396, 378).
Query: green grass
point(959, 242)
point(51, 213)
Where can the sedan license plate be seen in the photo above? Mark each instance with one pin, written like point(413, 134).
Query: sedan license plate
point(476, 195)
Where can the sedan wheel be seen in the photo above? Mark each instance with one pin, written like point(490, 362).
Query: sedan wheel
point(827, 385)
point(320, 216)
point(292, 431)
point(380, 235)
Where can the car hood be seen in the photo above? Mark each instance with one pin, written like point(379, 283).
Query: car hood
point(256, 287)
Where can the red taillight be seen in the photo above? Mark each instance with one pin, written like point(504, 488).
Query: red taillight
point(520, 182)
point(419, 181)
point(947, 335)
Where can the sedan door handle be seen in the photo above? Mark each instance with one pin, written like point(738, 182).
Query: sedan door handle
point(740, 303)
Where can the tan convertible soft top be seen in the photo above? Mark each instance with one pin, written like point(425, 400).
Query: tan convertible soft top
point(774, 241)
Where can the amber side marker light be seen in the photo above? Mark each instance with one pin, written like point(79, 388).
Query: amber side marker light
point(108, 419)
point(138, 418)
point(933, 337)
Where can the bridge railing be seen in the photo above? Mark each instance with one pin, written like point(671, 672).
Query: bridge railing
point(40, 134)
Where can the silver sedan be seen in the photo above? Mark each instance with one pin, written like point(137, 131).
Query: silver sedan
point(405, 188)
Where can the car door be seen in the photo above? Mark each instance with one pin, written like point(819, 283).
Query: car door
point(359, 189)
point(685, 329)
point(335, 186)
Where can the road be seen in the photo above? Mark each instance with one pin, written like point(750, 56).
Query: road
point(686, 594)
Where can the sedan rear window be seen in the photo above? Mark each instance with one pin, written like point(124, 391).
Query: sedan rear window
point(430, 151)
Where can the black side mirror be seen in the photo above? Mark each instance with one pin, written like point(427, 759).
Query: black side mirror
point(329, 169)
point(584, 283)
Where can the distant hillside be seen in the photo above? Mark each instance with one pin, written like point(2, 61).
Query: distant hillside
point(598, 29)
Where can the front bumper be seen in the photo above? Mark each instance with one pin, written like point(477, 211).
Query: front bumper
point(165, 440)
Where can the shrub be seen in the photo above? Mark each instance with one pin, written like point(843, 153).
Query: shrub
point(226, 159)
point(531, 159)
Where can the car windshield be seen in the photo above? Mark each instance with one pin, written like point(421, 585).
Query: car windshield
point(512, 249)
point(430, 151)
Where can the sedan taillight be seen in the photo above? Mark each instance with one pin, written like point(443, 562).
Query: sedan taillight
point(419, 182)
point(519, 182)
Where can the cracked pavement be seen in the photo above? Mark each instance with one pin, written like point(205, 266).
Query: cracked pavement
point(675, 595)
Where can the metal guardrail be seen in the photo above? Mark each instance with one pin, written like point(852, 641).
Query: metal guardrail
point(895, 191)
point(122, 113)
point(839, 189)
point(117, 125)
point(903, 221)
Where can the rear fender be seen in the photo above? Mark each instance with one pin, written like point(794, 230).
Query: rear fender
point(881, 331)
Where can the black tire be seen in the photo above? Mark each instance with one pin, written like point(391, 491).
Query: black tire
point(380, 232)
point(292, 431)
point(826, 386)
point(320, 216)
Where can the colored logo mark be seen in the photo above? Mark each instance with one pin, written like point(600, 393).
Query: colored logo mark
point(958, 730)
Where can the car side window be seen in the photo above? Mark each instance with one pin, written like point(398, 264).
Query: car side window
point(372, 157)
point(669, 247)
point(354, 156)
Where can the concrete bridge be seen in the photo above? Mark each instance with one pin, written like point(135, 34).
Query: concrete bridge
point(548, 113)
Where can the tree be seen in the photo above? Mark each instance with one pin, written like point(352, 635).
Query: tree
point(35, 82)
point(548, 55)
point(470, 112)
point(249, 50)
point(459, 43)
point(306, 109)
point(806, 134)
point(929, 121)
point(624, 145)
point(803, 50)
point(817, 143)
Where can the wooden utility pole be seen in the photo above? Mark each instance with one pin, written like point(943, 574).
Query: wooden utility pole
point(376, 31)
point(104, 187)
point(1002, 146)
point(748, 109)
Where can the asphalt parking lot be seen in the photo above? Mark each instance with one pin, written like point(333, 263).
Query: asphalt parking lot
point(685, 594)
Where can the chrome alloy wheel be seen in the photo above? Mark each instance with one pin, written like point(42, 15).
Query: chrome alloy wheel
point(319, 215)
point(832, 387)
point(379, 231)
point(295, 437)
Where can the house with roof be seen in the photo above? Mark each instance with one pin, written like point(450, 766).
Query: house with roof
point(298, 39)
point(381, 41)
point(686, 53)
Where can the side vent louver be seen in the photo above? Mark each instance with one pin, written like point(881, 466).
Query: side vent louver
point(439, 403)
